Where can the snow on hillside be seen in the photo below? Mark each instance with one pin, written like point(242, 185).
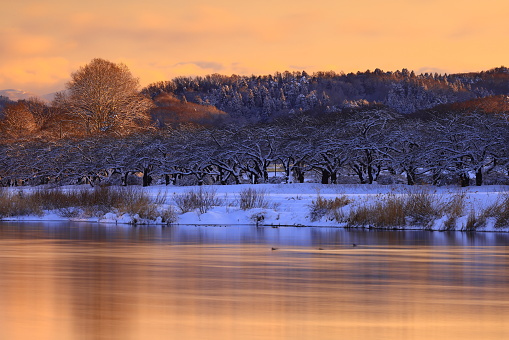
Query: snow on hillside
point(15, 95)
point(289, 204)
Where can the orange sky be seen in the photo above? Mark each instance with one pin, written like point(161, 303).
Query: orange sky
point(41, 43)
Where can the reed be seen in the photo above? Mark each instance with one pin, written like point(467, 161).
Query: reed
point(329, 207)
point(84, 203)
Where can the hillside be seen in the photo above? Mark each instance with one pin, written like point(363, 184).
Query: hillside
point(170, 110)
point(262, 98)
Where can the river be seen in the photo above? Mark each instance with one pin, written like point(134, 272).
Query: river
point(90, 281)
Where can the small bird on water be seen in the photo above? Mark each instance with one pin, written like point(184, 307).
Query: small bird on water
point(354, 245)
point(274, 248)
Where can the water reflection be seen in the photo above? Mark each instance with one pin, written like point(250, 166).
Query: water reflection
point(87, 281)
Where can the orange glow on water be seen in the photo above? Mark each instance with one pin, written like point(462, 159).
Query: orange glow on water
point(68, 290)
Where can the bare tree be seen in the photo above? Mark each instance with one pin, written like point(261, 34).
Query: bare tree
point(104, 97)
point(17, 120)
point(367, 137)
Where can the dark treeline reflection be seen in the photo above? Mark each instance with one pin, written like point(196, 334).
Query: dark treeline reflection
point(290, 236)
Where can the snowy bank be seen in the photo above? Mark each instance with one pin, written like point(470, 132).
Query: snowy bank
point(295, 205)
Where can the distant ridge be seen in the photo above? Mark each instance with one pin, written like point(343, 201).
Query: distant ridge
point(15, 95)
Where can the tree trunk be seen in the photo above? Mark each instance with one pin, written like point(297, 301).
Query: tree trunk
point(334, 177)
point(464, 180)
point(147, 179)
point(370, 174)
point(298, 173)
point(361, 177)
point(410, 177)
point(124, 178)
point(478, 177)
point(325, 177)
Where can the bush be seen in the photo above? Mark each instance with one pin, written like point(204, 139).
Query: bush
point(499, 211)
point(17, 204)
point(84, 203)
point(422, 207)
point(474, 222)
point(200, 199)
point(328, 207)
point(251, 198)
point(391, 210)
point(454, 209)
point(387, 211)
point(168, 215)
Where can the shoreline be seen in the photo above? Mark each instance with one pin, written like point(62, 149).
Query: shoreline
point(295, 205)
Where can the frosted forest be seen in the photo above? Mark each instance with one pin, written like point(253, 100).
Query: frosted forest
point(370, 128)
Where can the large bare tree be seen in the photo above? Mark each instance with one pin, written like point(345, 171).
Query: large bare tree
point(104, 97)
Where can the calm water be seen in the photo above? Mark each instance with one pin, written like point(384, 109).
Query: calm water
point(85, 281)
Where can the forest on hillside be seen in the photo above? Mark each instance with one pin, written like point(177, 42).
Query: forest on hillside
point(261, 98)
point(385, 127)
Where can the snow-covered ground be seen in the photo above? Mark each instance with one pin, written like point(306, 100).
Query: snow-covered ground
point(289, 204)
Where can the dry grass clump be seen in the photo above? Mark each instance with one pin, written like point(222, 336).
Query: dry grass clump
point(391, 210)
point(360, 215)
point(474, 222)
point(423, 207)
point(251, 198)
point(497, 212)
point(331, 208)
point(454, 209)
point(387, 211)
point(84, 203)
point(502, 213)
point(17, 204)
point(201, 199)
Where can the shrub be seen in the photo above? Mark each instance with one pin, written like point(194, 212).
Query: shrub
point(84, 203)
point(454, 209)
point(360, 215)
point(474, 221)
point(168, 215)
point(422, 207)
point(387, 211)
point(251, 198)
point(328, 207)
point(200, 199)
point(499, 211)
point(17, 204)
point(503, 213)
point(392, 210)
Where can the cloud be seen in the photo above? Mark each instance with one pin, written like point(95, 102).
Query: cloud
point(429, 69)
point(206, 65)
point(43, 43)
point(301, 67)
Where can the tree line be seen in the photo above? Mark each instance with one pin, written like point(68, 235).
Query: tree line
point(362, 146)
point(190, 130)
point(262, 98)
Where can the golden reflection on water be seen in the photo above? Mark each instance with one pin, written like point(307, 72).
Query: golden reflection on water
point(94, 290)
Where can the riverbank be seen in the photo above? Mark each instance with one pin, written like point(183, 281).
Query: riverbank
point(484, 208)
